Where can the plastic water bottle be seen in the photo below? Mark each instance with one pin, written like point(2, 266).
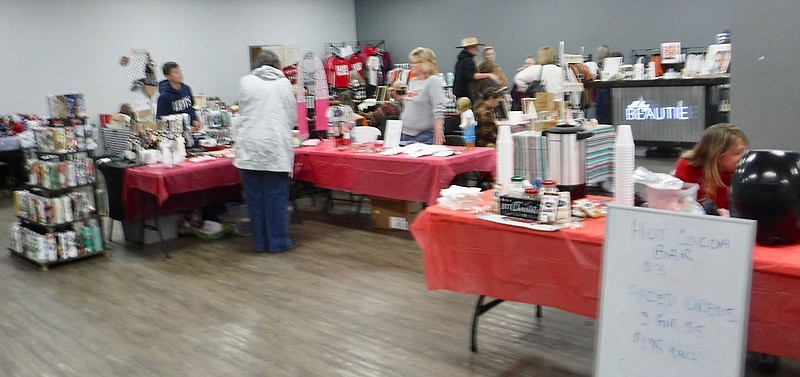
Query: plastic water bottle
point(97, 236)
point(88, 239)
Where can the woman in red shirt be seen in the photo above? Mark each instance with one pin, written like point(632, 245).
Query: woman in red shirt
point(711, 162)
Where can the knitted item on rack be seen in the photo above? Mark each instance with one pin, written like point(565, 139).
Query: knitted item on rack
point(450, 105)
point(314, 70)
point(359, 90)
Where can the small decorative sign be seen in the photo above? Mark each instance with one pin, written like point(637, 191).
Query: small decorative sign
point(519, 207)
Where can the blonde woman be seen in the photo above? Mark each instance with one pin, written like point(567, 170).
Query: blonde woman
point(423, 113)
point(546, 71)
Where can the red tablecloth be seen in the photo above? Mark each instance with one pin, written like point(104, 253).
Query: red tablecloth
point(218, 180)
point(562, 270)
point(396, 177)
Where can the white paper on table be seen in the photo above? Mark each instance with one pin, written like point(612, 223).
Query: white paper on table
point(392, 151)
point(394, 129)
point(500, 219)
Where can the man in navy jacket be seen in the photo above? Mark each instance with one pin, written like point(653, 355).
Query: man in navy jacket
point(175, 97)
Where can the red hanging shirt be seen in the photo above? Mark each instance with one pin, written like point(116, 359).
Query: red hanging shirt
point(357, 64)
point(338, 71)
point(291, 73)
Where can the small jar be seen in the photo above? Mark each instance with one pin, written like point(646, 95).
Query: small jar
point(497, 192)
point(517, 188)
point(549, 186)
point(531, 194)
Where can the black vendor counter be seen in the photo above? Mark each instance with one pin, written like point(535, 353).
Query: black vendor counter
point(663, 112)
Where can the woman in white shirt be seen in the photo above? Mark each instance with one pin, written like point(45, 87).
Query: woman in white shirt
point(546, 70)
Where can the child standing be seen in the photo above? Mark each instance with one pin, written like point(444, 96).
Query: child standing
point(468, 123)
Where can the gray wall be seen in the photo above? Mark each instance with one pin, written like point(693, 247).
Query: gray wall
point(765, 34)
point(54, 46)
point(517, 28)
point(765, 79)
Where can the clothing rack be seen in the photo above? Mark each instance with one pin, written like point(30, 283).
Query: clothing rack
point(334, 47)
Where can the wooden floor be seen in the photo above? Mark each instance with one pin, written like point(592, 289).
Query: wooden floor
point(348, 301)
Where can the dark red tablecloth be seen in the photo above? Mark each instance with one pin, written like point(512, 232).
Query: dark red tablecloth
point(562, 270)
point(190, 185)
point(185, 186)
point(396, 177)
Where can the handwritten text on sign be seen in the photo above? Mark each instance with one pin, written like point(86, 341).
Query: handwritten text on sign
point(673, 292)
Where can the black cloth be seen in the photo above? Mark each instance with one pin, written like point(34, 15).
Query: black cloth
point(603, 106)
point(13, 175)
point(464, 74)
point(114, 174)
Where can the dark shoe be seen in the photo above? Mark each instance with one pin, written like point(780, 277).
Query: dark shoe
point(292, 246)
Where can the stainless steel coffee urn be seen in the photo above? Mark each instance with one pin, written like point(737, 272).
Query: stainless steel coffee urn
point(566, 158)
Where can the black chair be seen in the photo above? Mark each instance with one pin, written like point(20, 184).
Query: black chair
point(455, 140)
point(471, 179)
point(300, 189)
point(451, 125)
point(5, 178)
point(382, 124)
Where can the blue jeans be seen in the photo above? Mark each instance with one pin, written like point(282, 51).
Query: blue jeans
point(267, 195)
point(425, 137)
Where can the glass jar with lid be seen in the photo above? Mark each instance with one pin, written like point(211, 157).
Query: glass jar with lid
point(517, 188)
point(531, 194)
point(549, 186)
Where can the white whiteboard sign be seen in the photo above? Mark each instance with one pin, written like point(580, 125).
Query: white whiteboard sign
point(675, 294)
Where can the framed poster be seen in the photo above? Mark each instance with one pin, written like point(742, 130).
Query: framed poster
point(381, 94)
point(394, 131)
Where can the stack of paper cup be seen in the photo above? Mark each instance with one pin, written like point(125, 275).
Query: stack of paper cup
point(505, 157)
point(624, 161)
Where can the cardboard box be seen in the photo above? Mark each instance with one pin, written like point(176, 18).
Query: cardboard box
point(393, 214)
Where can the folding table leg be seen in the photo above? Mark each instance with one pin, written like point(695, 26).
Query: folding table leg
point(161, 235)
point(157, 227)
point(480, 308)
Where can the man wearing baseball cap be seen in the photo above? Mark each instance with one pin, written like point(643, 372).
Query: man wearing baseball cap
point(466, 71)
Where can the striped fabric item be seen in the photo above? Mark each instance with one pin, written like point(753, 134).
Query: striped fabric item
point(600, 154)
point(115, 141)
point(530, 154)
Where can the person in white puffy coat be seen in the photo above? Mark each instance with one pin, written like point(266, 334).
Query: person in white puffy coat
point(264, 151)
point(546, 70)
